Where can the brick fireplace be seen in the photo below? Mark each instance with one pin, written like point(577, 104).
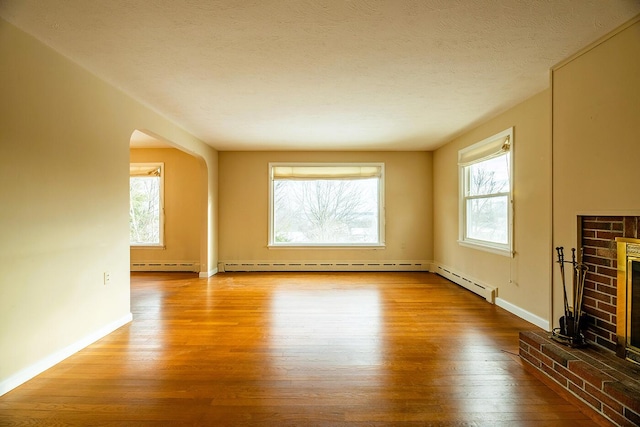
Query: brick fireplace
point(593, 377)
point(600, 254)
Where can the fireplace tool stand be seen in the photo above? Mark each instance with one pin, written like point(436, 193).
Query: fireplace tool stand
point(572, 323)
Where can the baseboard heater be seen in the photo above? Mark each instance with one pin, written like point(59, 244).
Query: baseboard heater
point(482, 289)
point(230, 266)
point(166, 266)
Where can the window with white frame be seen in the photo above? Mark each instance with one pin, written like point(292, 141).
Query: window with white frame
point(486, 194)
point(326, 204)
point(146, 207)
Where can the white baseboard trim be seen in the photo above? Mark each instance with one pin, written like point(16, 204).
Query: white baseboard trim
point(342, 265)
point(37, 368)
point(207, 274)
point(470, 283)
point(192, 266)
point(524, 314)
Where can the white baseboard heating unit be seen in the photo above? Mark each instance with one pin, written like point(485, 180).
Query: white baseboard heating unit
point(191, 266)
point(475, 286)
point(421, 265)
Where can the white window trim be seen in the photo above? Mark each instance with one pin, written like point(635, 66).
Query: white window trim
point(495, 248)
point(161, 244)
point(381, 210)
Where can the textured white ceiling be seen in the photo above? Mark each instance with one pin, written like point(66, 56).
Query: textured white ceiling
point(323, 74)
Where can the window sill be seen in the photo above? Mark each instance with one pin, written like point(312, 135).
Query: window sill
point(486, 248)
point(162, 247)
point(297, 246)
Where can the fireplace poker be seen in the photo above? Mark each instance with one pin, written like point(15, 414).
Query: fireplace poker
point(582, 270)
point(574, 280)
point(560, 251)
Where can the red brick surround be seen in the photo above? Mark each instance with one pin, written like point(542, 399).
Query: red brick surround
point(600, 254)
point(595, 378)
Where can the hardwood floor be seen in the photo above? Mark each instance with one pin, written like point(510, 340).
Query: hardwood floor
point(299, 349)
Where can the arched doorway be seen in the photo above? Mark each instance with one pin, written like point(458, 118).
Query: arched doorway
point(183, 211)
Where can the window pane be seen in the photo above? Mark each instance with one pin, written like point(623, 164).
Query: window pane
point(489, 177)
point(487, 219)
point(326, 211)
point(144, 210)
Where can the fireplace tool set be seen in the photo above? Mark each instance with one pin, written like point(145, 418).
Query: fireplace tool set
point(572, 323)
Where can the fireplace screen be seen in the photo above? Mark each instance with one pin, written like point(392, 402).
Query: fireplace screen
point(633, 313)
point(628, 303)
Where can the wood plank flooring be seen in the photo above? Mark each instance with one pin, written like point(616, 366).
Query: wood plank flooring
point(298, 349)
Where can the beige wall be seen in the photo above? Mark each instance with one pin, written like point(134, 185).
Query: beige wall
point(64, 160)
point(244, 206)
point(596, 137)
point(184, 205)
point(523, 282)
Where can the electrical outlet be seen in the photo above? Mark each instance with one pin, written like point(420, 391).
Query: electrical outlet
point(107, 277)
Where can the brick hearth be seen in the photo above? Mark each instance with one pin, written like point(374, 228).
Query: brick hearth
point(595, 377)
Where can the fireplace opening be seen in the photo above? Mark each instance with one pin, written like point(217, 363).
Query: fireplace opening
point(628, 304)
point(634, 316)
point(634, 312)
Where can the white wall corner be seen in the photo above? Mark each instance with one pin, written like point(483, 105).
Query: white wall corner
point(37, 368)
point(207, 274)
point(432, 266)
point(524, 314)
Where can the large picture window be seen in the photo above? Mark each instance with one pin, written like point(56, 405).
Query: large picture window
point(326, 204)
point(486, 194)
point(146, 208)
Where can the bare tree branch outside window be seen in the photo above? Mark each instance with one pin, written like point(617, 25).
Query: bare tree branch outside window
point(144, 210)
point(326, 211)
point(487, 202)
